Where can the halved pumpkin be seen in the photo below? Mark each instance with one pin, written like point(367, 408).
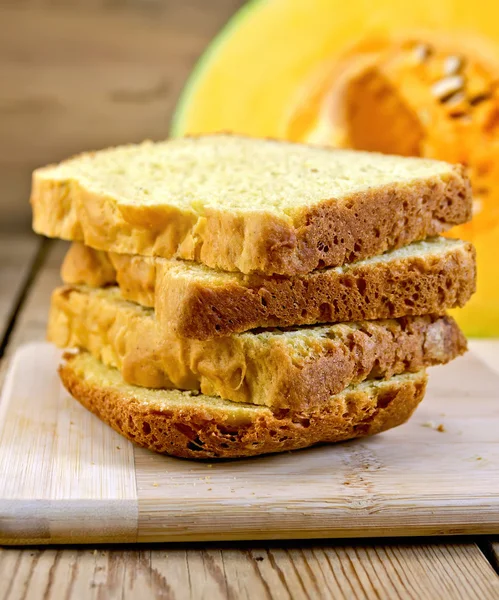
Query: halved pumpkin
point(418, 78)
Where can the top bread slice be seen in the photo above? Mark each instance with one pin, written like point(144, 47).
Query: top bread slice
point(193, 301)
point(249, 205)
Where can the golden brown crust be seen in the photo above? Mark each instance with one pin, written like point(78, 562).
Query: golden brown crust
point(200, 308)
point(294, 369)
point(370, 224)
point(204, 431)
point(329, 233)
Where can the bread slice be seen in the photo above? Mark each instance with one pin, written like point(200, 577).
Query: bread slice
point(196, 302)
point(249, 205)
point(296, 369)
point(191, 425)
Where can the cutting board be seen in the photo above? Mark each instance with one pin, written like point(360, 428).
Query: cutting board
point(65, 477)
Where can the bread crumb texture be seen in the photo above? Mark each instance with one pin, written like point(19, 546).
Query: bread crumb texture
point(194, 301)
point(191, 425)
point(294, 368)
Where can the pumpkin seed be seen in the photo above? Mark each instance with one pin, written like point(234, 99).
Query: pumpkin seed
point(452, 65)
point(445, 88)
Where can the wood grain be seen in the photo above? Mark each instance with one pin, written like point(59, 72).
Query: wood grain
point(59, 463)
point(16, 256)
point(64, 474)
point(31, 323)
point(85, 75)
point(433, 571)
point(309, 572)
point(482, 347)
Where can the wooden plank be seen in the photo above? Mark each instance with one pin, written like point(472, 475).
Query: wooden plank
point(91, 75)
point(32, 320)
point(311, 571)
point(413, 480)
point(56, 480)
point(17, 255)
point(482, 348)
point(352, 489)
point(101, 474)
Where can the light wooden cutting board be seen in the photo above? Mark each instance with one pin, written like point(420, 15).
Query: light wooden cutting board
point(67, 477)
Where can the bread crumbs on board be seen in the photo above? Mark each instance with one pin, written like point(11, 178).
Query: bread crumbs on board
point(432, 425)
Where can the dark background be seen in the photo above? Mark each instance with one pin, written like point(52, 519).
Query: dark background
point(85, 74)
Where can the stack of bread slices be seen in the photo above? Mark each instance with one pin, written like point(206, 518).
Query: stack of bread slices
point(230, 296)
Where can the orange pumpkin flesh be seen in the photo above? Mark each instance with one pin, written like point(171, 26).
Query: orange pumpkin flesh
point(344, 74)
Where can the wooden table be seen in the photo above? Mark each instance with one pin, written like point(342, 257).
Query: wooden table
point(422, 568)
point(80, 74)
